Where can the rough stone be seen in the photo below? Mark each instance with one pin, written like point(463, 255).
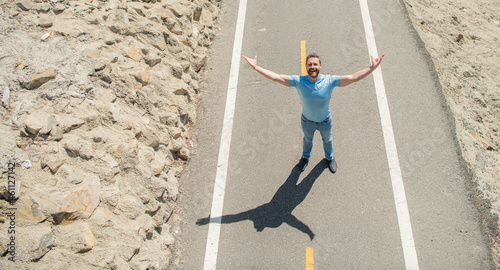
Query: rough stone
point(179, 9)
point(167, 239)
point(176, 145)
point(199, 62)
point(70, 174)
point(56, 134)
point(50, 123)
point(28, 209)
point(143, 75)
point(99, 65)
point(58, 8)
point(25, 5)
point(37, 79)
point(5, 97)
point(32, 241)
point(69, 122)
point(150, 256)
point(168, 118)
point(32, 124)
point(113, 165)
point(179, 87)
point(46, 243)
point(39, 122)
point(177, 70)
point(175, 132)
point(173, 26)
point(147, 226)
point(152, 59)
point(130, 206)
point(72, 144)
point(45, 21)
point(134, 54)
point(53, 163)
point(172, 186)
point(76, 236)
point(206, 18)
point(197, 13)
point(184, 153)
point(79, 202)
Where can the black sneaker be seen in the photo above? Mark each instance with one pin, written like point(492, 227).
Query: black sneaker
point(303, 164)
point(332, 165)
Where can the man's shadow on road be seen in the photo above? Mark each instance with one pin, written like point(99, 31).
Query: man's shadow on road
point(279, 209)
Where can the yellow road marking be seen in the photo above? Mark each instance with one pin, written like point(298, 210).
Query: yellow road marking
point(309, 259)
point(303, 57)
point(309, 251)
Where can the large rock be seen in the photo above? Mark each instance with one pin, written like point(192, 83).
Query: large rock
point(45, 245)
point(70, 174)
point(28, 209)
point(33, 241)
point(171, 187)
point(198, 61)
point(180, 9)
point(134, 54)
point(206, 18)
point(130, 206)
point(152, 59)
point(45, 21)
point(25, 5)
point(173, 26)
point(178, 87)
point(52, 162)
point(78, 202)
point(112, 167)
point(77, 147)
point(150, 256)
point(76, 236)
point(69, 122)
point(39, 78)
point(39, 122)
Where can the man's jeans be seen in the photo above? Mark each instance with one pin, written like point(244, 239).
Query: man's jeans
point(325, 129)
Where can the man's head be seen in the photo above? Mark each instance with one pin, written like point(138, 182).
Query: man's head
point(313, 66)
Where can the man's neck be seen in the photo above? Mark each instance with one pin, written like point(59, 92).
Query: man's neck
point(314, 79)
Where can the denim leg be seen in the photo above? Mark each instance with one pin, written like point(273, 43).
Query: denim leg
point(325, 129)
point(308, 128)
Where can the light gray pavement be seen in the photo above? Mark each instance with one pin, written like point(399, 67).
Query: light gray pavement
point(351, 213)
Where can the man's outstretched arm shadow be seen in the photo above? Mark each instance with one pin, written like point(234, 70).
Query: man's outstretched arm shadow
point(225, 219)
point(299, 225)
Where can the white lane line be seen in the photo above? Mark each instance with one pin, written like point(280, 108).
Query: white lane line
point(225, 143)
point(409, 251)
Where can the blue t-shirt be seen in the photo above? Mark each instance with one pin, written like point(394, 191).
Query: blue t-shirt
point(315, 95)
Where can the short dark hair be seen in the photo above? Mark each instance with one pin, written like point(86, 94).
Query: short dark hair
point(313, 55)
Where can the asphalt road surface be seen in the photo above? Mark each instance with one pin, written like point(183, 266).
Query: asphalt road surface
point(400, 202)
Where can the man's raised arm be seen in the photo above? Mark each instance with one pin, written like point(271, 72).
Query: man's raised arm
point(359, 75)
point(271, 75)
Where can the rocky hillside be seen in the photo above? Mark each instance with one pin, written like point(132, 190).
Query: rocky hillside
point(98, 97)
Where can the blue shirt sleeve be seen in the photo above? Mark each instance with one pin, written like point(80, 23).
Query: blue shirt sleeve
point(293, 80)
point(335, 80)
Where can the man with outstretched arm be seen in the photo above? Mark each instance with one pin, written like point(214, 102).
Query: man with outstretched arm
point(315, 91)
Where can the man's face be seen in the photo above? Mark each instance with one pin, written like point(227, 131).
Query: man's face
point(313, 68)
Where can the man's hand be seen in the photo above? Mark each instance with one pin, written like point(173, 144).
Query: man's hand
point(203, 221)
point(271, 75)
point(376, 61)
point(251, 62)
point(359, 75)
